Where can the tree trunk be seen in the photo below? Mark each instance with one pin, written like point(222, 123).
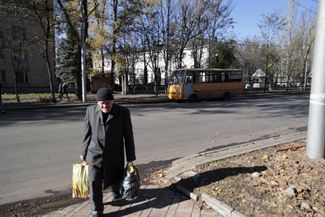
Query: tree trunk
point(49, 71)
point(16, 68)
point(145, 75)
point(156, 81)
point(102, 61)
point(78, 83)
point(115, 2)
point(180, 58)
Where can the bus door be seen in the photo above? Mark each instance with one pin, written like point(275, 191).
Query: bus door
point(188, 85)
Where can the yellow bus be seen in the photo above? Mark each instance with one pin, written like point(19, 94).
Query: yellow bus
point(195, 84)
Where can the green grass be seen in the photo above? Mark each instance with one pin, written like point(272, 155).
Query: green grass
point(27, 97)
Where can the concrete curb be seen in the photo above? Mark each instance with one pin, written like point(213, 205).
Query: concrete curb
point(130, 99)
point(188, 193)
point(28, 106)
point(184, 164)
point(220, 207)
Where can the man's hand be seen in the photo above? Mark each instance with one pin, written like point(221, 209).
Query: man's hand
point(83, 161)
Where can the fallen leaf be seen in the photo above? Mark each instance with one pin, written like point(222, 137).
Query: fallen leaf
point(265, 157)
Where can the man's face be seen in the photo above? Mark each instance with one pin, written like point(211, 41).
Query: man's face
point(106, 105)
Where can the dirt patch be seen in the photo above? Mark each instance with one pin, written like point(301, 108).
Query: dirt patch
point(278, 181)
point(38, 206)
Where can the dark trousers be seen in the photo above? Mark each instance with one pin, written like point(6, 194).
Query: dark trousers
point(96, 189)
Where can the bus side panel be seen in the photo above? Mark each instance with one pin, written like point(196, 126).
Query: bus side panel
point(202, 90)
point(234, 88)
point(216, 90)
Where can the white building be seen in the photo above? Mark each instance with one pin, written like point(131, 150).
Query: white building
point(188, 62)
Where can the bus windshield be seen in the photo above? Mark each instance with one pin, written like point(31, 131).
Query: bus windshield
point(177, 77)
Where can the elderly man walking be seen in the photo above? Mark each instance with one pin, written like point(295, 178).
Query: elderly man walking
point(108, 132)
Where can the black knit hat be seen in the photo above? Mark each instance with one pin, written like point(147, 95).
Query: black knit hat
point(103, 94)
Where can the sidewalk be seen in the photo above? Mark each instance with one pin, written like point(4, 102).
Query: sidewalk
point(152, 201)
point(155, 201)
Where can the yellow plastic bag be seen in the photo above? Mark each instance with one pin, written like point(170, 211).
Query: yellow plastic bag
point(80, 181)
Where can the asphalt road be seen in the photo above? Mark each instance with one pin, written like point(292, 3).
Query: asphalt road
point(39, 146)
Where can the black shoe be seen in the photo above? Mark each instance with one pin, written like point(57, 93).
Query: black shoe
point(116, 195)
point(97, 215)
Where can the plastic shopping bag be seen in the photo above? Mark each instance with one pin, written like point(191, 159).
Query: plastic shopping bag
point(80, 181)
point(130, 183)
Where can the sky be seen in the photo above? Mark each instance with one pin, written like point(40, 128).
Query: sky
point(247, 13)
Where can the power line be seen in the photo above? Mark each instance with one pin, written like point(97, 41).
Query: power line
point(301, 5)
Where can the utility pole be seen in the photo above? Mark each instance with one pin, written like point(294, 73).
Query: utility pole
point(83, 48)
point(316, 122)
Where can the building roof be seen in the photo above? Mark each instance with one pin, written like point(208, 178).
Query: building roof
point(258, 73)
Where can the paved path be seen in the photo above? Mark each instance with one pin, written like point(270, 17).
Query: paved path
point(152, 201)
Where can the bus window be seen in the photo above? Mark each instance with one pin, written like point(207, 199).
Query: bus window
point(211, 77)
point(177, 77)
point(235, 76)
point(189, 78)
point(200, 77)
point(224, 77)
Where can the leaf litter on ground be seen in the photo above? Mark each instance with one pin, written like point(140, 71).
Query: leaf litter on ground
point(277, 181)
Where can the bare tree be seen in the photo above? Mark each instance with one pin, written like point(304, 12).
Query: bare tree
point(165, 12)
point(72, 18)
point(249, 58)
point(150, 29)
point(270, 27)
point(17, 58)
point(123, 13)
point(19, 44)
point(191, 24)
point(99, 36)
point(300, 32)
point(220, 20)
point(43, 12)
point(76, 14)
point(308, 41)
point(35, 12)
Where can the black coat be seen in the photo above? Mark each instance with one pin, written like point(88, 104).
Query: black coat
point(103, 145)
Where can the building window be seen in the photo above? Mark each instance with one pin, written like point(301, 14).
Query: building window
point(2, 56)
point(18, 33)
point(1, 32)
point(21, 2)
point(26, 76)
point(22, 76)
point(3, 76)
point(20, 56)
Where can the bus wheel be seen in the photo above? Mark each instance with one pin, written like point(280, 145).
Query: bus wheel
point(226, 96)
point(192, 98)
